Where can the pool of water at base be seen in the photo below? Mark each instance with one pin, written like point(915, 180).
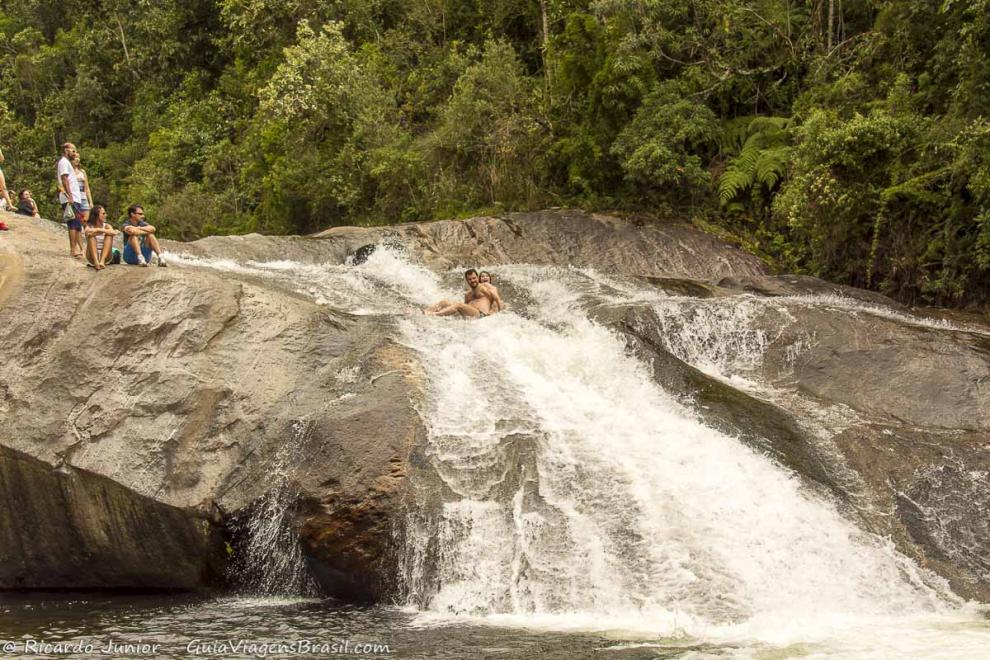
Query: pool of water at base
point(77, 625)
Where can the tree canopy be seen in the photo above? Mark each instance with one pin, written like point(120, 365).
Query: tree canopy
point(848, 139)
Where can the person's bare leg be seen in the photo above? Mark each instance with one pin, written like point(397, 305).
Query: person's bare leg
point(153, 243)
point(467, 311)
point(433, 309)
point(135, 244)
point(107, 250)
point(75, 241)
point(91, 256)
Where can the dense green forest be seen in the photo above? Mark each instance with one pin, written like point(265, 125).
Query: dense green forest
point(848, 139)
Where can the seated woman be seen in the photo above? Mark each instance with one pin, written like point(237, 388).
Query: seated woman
point(484, 277)
point(99, 238)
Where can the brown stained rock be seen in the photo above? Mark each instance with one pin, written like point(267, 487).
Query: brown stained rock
point(183, 385)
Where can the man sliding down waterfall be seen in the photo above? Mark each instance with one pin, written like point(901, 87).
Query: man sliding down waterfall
point(480, 301)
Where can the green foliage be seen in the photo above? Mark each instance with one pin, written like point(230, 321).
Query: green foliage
point(761, 153)
point(489, 129)
point(664, 146)
point(856, 149)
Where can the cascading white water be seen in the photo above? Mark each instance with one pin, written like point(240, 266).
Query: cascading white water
point(629, 509)
point(580, 494)
point(270, 561)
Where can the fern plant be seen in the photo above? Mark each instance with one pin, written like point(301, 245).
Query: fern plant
point(759, 150)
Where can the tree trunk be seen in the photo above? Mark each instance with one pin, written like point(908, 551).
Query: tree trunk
point(831, 24)
point(546, 46)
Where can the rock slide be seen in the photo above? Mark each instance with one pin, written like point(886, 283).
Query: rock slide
point(150, 405)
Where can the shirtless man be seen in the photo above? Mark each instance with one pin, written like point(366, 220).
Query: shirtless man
point(479, 301)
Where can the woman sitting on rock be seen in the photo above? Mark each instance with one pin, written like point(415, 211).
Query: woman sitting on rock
point(99, 238)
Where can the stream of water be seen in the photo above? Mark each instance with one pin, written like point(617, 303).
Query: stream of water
point(586, 512)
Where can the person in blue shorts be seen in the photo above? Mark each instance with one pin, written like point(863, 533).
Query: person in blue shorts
point(140, 245)
point(71, 200)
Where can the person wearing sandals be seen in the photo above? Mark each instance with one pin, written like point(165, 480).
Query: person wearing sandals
point(139, 239)
point(84, 193)
point(99, 238)
point(72, 211)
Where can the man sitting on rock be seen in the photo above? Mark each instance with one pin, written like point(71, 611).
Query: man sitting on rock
point(480, 301)
point(139, 239)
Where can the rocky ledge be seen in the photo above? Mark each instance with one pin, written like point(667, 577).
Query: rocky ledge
point(162, 404)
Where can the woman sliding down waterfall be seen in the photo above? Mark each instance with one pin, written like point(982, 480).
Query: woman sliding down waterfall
point(480, 301)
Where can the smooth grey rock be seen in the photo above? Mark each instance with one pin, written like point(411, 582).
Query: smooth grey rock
point(631, 246)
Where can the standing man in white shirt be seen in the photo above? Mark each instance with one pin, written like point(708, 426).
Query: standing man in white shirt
point(72, 210)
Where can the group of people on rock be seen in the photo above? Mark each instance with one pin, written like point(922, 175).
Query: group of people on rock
point(90, 235)
point(89, 232)
point(482, 299)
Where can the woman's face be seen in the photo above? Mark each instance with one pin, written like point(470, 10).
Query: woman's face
point(102, 215)
point(485, 278)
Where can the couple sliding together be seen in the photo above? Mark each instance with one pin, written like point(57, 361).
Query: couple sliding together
point(481, 300)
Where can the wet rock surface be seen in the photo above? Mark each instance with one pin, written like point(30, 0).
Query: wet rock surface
point(71, 528)
point(909, 455)
point(181, 387)
point(930, 494)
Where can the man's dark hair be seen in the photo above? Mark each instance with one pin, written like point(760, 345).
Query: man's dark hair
point(469, 271)
point(133, 208)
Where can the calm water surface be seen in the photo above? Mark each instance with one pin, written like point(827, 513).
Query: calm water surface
point(181, 625)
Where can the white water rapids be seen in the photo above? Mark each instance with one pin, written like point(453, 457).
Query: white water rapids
point(575, 493)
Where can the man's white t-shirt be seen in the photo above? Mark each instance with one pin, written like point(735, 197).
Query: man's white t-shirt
point(65, 167)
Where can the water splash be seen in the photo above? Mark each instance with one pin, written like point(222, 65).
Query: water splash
point(565, 489)
point(270, 560)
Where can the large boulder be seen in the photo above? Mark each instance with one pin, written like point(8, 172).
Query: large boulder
point(190, 387)
point(633, 246)
point(70, 528)
point(883, 410)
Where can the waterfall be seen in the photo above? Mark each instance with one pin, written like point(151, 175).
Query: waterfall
point(576, 487)
point(269, 560)
point(563, 485)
